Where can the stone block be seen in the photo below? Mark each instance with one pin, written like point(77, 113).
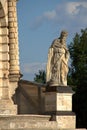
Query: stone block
point(5, 83)
point(11, 8)
point(11, 24)
point(57, 101)
point(12, 19)
point(4, 56)
point(4, 48)
point(4, 75)
point(0, 92)
point(10, 3)
point(1, 74)
point(4, 39)
point(3, 23)
point(10, 14)
point(5, 92)
point(14, 62)
point(3, 31)
point(4, 65)
point(15, 24)
point(12, 57)
point(7, 107)
point(1, 82)
point(11, 30)
point(14, 4)
point(12, 35)
point(64, 102)
point(65, 121)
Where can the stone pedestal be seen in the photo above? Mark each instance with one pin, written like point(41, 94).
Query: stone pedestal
point(58, 103)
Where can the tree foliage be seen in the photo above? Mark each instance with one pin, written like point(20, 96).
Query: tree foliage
point(40, 77)
point(78, 76)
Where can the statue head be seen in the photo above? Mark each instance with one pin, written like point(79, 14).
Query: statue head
point(64, 33)
point(63, 36)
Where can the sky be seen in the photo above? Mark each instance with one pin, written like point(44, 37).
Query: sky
point(39, 23)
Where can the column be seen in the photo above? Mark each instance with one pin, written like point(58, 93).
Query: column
point(14, 69)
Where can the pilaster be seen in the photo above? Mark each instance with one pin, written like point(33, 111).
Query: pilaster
point(13, 40)
point(14, 69)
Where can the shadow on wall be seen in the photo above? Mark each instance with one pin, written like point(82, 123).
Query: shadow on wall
point(29, 97)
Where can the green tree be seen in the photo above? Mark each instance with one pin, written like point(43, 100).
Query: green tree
point(78, 76)
point(40, 77)
point(78, 53)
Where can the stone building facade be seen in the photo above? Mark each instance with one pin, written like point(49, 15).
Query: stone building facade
point(31, 98)
point(9, 55)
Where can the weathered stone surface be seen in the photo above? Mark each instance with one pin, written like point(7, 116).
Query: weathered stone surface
point(8, 36)
point(4, 48)
point(30, 122)
point(4, 39)
point(57, 65)
point(59, 100)
point(4, 65)
point(4, 31)
point(4, 56)
point(6, 107)
point(10, 75)
point(66, 121)
point(58, 103)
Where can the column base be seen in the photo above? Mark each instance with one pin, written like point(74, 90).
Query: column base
point(7, 108)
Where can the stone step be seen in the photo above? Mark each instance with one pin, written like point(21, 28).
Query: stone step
point(24, 121)
point(43, 129)
point(29, 122)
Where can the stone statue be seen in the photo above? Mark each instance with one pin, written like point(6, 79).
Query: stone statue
point(57, 65)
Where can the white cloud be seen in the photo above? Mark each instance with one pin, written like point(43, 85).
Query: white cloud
point(39, 20)
point(49, 14)
point(72, 7)
point(66, 15)
point(32, 68)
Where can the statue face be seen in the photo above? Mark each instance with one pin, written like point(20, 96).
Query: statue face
point(63, 40)
point(64, 34)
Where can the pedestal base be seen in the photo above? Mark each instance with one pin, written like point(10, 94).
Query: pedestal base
point(58, 104)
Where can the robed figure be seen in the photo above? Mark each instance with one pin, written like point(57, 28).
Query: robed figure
point(57, 65)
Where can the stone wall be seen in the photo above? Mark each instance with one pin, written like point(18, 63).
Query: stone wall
point(30, 98)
